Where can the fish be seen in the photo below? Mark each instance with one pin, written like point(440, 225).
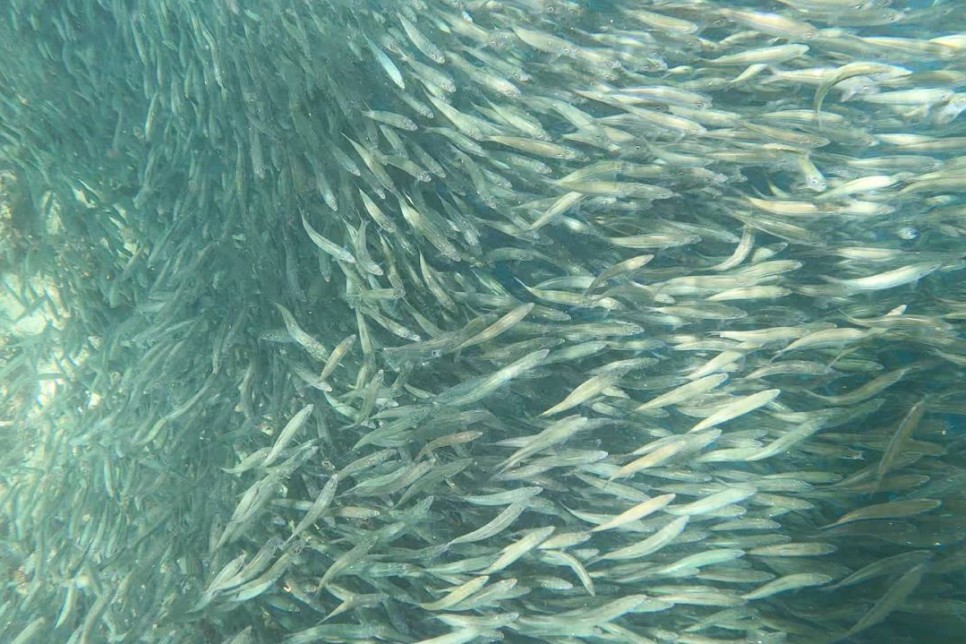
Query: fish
point(422, 43)
point(684, 392)
point(890, 510)
point(386, 64)
point(851, 70)
point(288, 433)
point(495, 526)
point(788, 583)
point(328, 247)
point(555, 433)
point(904, 561)
point(737, 408)
point(338, 353)
point(499, 327)
point(890, 600)
point(637, 512)
point(767, 55)
point(658, 452)
point(518, 549)
point(713, 502)
point(906, 427)
point(888, 279)
point(587, 390)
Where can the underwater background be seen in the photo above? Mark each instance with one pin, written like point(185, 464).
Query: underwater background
point(467, 321)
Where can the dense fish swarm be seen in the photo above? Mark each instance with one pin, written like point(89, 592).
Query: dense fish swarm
point(464, 321)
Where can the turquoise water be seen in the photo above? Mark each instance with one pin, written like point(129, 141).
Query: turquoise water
point(468, 321)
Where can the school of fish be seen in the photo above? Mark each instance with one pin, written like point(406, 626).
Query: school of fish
point(476, 320)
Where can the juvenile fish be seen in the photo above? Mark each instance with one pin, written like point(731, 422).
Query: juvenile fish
point(787, 583)
point(869, 389)
point(713, 502)
point(387, 65)
point(852, 70)
point(503, 498)
point(499, 327)
point(554, 434)
point(690, 565)
point(422, 43)
point(497, 525)
point(476, 389)
point(637, 512)
point(893, 597)
point(391, 119)
point(739, 407)
point(901, 436)
point(892, 510)
point(685, 392)
point(586, 391)
point(652, 544)
point(889, 279)
point(312, 346)
point(620, 268)
point(826, 338)
point(326, 246)
point(886, 566)
point(521, 547)
point(536, 147)
point(317, 509)
point(765, 55)
point(449, 440)
point(336, 356)
point(288, 432)
point(667, 451)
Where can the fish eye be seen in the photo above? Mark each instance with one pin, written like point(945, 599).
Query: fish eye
point(908, 233)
